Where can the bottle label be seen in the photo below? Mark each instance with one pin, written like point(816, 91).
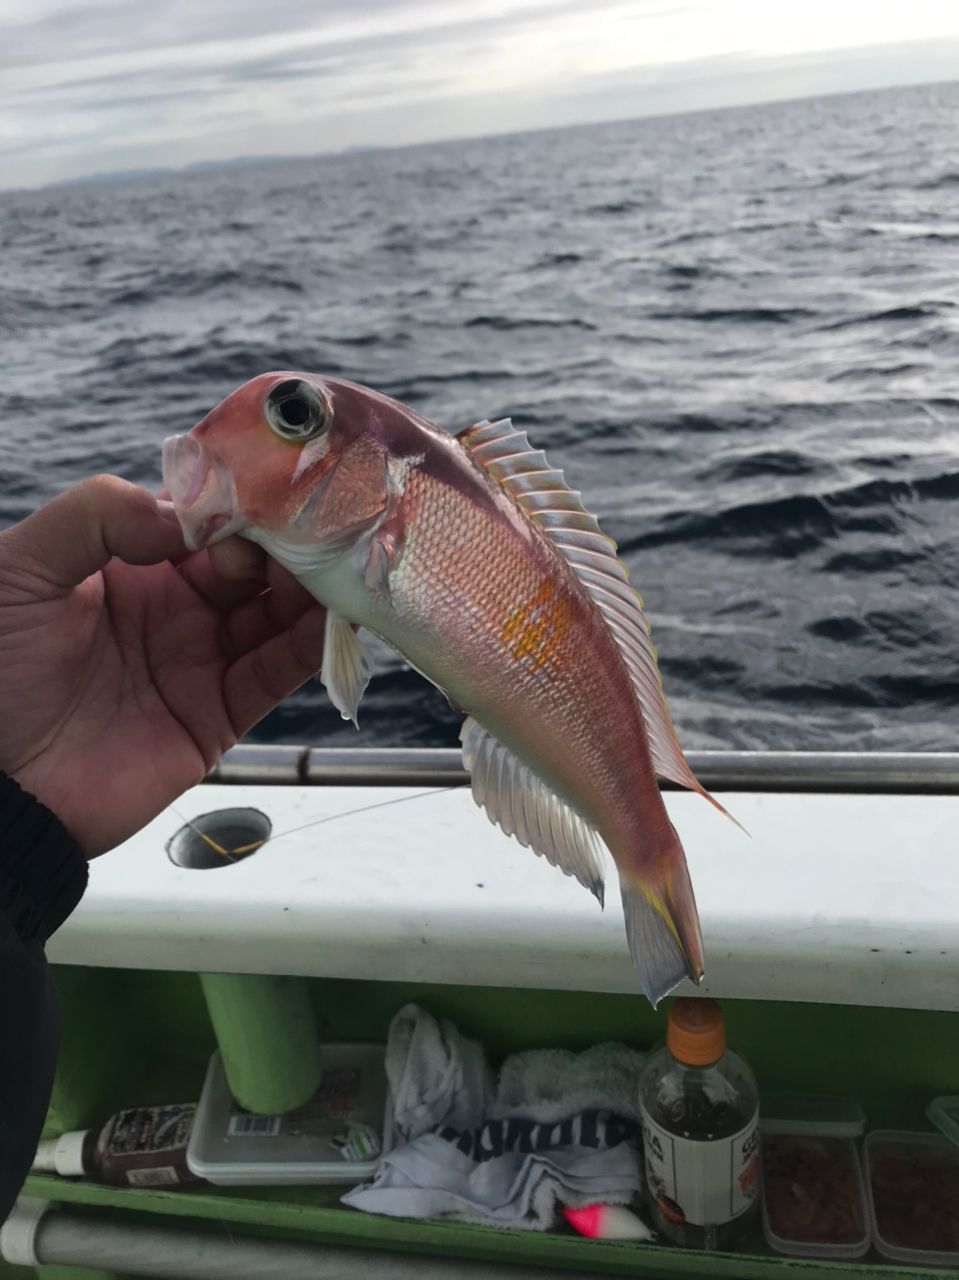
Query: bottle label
point(703, 1183)
point(149, 1129)
point(162, 1176)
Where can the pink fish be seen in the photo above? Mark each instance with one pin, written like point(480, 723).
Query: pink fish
point(472, 557)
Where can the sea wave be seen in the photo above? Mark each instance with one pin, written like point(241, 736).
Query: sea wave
point(737, 333)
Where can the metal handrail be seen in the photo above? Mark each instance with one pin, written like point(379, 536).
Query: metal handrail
point(898, 773)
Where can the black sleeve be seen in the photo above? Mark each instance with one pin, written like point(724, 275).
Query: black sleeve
point(43, 874)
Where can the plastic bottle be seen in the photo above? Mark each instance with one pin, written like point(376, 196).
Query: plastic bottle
point(700, 1111)
point(140, 1147)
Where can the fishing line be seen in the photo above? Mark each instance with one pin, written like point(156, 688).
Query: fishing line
point(232, 854)
point(209, 840)
point(348, 813)
point(217, 848)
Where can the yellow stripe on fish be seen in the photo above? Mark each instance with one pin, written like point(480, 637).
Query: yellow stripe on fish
point(535, 629)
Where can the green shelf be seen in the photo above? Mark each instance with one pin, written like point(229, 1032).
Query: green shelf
point(140, 1037)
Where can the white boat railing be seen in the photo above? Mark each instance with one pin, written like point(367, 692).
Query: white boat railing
point(846, 888)
point(829, 772)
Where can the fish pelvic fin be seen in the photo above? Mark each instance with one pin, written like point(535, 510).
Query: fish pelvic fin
point(541, 492)
point(662, 925)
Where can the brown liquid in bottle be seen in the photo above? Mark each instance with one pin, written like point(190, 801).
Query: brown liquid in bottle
point(700, 1111)
point(139, 1147)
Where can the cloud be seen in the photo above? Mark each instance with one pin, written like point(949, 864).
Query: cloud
point(87, 86)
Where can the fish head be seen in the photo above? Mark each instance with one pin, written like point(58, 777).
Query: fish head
point(293, 455)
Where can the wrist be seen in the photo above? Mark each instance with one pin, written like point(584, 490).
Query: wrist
point(43, 871)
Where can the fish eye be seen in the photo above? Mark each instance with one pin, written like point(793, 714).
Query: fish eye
point(296, 410)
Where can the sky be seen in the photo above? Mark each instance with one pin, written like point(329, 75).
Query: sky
point(99, 85)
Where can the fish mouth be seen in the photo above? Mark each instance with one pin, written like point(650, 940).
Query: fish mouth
point(202, 492)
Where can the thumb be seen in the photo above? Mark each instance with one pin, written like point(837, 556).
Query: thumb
point(77, 533)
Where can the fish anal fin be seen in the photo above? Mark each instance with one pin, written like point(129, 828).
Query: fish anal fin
point(543, 494)
point(519, 802)
point(346, 668)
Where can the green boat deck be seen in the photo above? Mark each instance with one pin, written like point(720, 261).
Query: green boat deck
point(139, 1037)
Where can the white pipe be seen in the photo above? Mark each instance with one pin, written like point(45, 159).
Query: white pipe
point(37, 1234)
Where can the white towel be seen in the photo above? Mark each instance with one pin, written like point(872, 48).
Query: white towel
point(558, 1129)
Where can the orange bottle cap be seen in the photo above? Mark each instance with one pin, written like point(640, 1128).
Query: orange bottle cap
point(695, 1033)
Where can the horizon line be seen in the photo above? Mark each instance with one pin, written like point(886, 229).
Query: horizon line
point(106, 176)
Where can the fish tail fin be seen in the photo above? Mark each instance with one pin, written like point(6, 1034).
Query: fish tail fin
point(662, 923)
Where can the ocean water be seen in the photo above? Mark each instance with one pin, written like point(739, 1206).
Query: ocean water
point(738, 332)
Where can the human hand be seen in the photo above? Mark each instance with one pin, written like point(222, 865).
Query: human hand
point(127, 666)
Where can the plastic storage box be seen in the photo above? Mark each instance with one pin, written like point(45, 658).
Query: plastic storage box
point(944, 1114)
point(338, 1136)
point(913, 1183)
point(813, 1192)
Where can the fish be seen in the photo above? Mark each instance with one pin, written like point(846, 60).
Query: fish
point(475, 560)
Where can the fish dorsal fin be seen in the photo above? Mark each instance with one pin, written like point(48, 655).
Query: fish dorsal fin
point(542, 492)
point(524, 806)
point(346, 668)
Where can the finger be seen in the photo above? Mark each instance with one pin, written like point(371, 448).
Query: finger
point(288, 599)
point(224, 594)
point(228, 579)
point(253, 622)
point(81, 530)
point(262, 678)
point(238, 558)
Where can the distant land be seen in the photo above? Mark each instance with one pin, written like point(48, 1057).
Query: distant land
point(159, 171)
point(238, 162)
point(197, 166)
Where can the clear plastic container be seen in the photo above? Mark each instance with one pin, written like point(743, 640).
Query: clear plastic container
point(813, 1192)
point(913, 1188)
point(338, 1136)
point(944, 1114)
point(700, 1110)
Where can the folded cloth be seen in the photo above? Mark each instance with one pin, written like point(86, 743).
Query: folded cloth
point(551, 1084)
point(557, 1129)
point(437, 1077)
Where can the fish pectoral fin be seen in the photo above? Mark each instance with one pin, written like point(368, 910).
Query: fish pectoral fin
point(346, 668)
point(519, 802)
point(386, 547)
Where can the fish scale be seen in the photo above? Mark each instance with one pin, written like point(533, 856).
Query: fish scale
point(557, 699)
